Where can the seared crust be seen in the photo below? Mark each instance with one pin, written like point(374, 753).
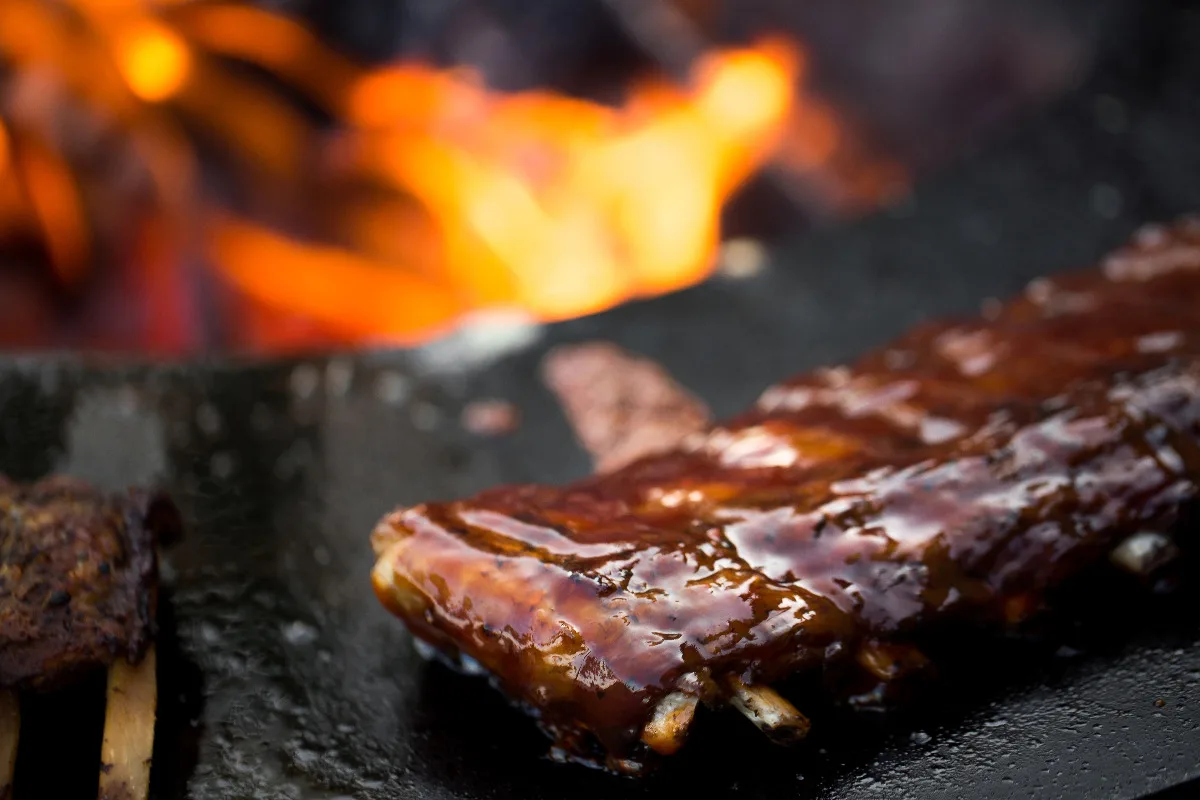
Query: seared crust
point(78, 578)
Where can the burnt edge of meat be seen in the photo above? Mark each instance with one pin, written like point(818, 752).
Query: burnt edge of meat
point(78, 578)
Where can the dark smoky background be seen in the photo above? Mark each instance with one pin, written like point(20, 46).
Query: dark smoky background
point(928, 78)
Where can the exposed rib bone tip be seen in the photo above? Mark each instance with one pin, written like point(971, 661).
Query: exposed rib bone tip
point(129, 729)
point(1143, 553)
point(767, 709)
point(10, 729)
point(667, 729)
point(889, 661)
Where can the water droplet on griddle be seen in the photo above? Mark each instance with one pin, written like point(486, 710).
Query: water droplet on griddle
point(221, 465)
point(391, 387)
point(299, 633)
point(126, 401)
point(339, 375)
point(304, 381)
point(209, 633)
point(426, 416)
point(304, 758)
point(1106, 201)
point(208, 419)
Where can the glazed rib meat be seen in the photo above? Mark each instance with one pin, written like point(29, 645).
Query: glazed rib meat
point(78, 579)
point(952, 477)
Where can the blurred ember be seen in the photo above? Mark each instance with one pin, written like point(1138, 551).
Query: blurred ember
point(180, 176)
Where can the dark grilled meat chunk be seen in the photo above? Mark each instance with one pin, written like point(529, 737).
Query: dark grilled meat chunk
point(78, 578)
point(954, 476)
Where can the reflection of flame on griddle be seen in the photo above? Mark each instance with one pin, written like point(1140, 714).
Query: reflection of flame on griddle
point(431, 197)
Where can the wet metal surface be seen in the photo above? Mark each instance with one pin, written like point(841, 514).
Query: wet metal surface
point(285, 679)
point(282, 677)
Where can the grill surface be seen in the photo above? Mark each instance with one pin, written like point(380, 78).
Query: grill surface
point(282, 676)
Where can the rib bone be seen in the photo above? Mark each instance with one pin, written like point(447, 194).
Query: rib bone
point(129, 730)
point(773, 715)
point(889, 661)
point(10, 727)
point(1143, 553)
point(667, 729)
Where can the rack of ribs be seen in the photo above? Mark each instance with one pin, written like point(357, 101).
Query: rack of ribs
point(78, 593)
point(953, 477)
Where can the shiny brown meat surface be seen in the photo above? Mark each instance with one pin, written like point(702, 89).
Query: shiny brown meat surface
point(955, 475)
point(78, 579)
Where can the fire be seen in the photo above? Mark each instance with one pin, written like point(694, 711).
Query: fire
point(433, 195)
point(55, 203)
point(562, 207)
point(350, 294)
point(153, 60)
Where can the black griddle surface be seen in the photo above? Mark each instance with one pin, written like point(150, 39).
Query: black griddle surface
point(282, 676)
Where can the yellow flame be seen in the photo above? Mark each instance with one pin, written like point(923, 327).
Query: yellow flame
point(580, 204)
point(153, 60)
point(747, 92)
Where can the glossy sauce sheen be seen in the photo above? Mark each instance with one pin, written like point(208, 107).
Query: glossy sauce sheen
point(953, 475)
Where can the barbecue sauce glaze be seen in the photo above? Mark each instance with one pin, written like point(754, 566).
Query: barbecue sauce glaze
point(954, 475)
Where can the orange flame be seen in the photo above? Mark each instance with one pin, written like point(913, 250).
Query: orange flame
point(328, 285)
point(12, 205)
point(564, 207)
point(153, 60)
point(54, 199)
point(555, 206)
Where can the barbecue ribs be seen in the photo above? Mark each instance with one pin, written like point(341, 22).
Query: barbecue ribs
point(954, 476)
point(78, 579)
point(78, 594)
